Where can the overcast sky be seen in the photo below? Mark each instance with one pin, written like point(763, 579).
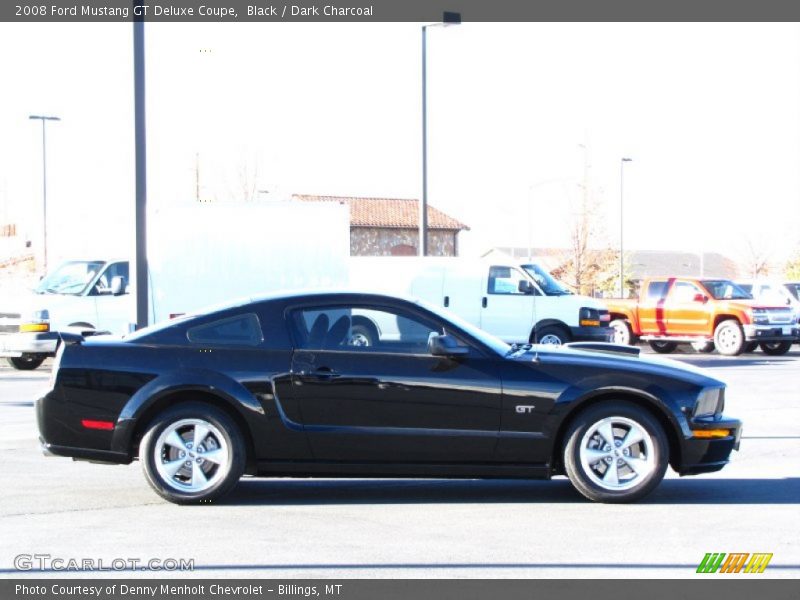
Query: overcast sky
point(709, 113)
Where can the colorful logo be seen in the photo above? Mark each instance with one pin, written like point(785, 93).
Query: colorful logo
point(741, 562)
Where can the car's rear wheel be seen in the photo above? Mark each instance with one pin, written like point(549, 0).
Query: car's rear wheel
point(750, 347)
point(623, 334)
point(362, 334)
point(193, 453)
point(729, 338)
point(615, 452)
point(663, 347)
point(26, 362)
point(776, 348)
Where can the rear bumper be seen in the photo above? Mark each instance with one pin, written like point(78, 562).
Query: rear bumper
point(771, 333)
point(701, 455)
point(16, 344)
point(592, 334)
point(104, 456)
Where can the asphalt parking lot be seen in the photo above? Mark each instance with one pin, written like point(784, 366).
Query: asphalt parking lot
point(418, 528)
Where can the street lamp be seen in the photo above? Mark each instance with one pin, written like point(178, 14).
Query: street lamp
point(44, 119)
point(448, 18)
point(621, 204)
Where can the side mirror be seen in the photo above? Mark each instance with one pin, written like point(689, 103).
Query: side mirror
point(525, 287)
point(444, 345)
point(700, 298)
point(118, 286)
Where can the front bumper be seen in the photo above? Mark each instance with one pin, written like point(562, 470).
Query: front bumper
point(705, 455)
point(17, 344)
point(592, 334)
point(771, 333)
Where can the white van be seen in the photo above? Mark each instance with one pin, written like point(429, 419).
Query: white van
point(79, 295)
point(501, 298)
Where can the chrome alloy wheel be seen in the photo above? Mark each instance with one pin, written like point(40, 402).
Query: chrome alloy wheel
point(617, 453)
point(191, 455)
point(551, 339)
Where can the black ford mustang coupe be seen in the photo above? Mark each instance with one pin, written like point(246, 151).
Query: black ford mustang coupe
point(361, 385)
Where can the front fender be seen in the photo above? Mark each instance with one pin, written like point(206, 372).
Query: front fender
point(202, 380)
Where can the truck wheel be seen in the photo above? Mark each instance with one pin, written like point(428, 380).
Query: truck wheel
point(623, 334)
point(553, 335)
point(192, 453)
point(750, 347)
point(362, 334)
point(729, 338)
point(703, 347)
point(26, 362)
point(776, 348)
point(615, 452)
point(663, 347)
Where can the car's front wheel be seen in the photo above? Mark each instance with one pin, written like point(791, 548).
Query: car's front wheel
point(552, 335)
point(729, 338)
point(26, 362)
point(193, 453)
point(776, 348)
point(615, 452)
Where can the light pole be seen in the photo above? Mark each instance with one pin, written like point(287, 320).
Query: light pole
point(448, 18)
point(44, 120)
point(621, 205)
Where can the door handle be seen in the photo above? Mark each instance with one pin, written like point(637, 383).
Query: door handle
point(484, 302)
point(324, 373)
point(446, 301)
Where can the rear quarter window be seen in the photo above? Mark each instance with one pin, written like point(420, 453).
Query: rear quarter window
point(241, 330)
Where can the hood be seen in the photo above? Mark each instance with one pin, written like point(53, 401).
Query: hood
point(619, 358)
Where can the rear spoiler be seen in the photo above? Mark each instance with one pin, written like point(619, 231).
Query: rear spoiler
point(70, 338)
point(605, 347)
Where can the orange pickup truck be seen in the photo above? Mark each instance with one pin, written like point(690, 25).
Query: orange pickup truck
point(706, 313)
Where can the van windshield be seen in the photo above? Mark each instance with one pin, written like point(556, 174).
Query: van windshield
point(544, 280)
point(70, 278)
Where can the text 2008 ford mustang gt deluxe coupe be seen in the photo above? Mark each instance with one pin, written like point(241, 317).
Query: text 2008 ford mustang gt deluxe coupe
point(360, 385)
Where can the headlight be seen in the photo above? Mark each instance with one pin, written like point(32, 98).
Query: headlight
point(37, 320)
point(589, 317)
point(760, 316)
point(710, 401)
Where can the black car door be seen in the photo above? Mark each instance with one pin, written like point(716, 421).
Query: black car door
point(369, 391)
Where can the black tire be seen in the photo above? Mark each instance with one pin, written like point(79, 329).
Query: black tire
point(703, 347)
point(776, 348)
point(223, 434)
point(363, 334)
point(750, 347)
point(651, 453)
point(623, 334)
point(26, 362)
point(729, 338)
point(663, 347)
point(552, 334)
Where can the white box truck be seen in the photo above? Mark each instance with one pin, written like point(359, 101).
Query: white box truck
point(517, 303)
point(199, 255)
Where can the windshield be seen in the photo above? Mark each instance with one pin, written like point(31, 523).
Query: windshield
point(487, 339)
point(722, 289)
point(544, 280)
point(70, 278)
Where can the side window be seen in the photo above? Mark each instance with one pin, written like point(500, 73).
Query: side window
point(119, 269)
point(241, 330)
point(657, 290)
point(504, 281)
point(683, 291)
point(357, 329)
